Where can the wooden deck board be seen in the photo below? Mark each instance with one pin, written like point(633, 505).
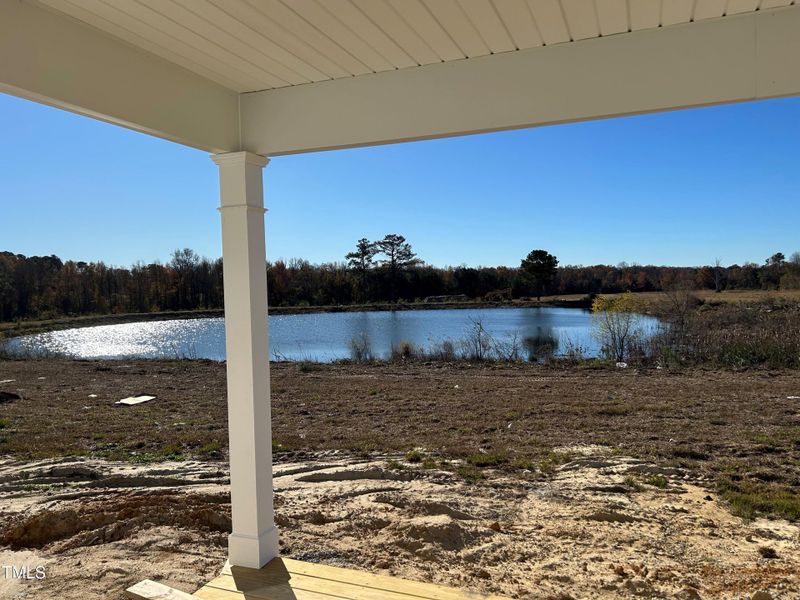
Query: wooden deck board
point(287, 579)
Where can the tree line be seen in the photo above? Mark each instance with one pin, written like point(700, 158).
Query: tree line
point(385, 270)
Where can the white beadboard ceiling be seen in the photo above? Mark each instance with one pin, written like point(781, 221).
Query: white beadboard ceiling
point(250, 45)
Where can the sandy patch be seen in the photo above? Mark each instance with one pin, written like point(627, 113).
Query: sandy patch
point(594, 529)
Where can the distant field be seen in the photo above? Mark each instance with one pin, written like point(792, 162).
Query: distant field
point(731, 295)
point(706, 295)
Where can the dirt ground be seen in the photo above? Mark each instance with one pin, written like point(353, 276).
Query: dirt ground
point(526, 481)
point(97, 527)
point(743, 425)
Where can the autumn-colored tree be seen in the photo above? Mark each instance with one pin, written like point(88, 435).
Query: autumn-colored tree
point(45, 286)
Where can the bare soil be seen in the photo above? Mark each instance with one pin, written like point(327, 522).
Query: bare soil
point(585, 532)
point(528, 481)
point(715, 422)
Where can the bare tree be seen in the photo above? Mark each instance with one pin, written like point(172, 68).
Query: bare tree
point(680, 301)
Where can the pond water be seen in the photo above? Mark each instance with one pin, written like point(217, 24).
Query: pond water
point(322, 337)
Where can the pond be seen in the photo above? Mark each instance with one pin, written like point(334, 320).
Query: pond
point(327, 337)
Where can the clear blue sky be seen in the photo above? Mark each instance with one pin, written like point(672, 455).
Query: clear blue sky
point(678, 188)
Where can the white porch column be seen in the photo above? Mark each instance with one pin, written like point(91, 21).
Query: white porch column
point(254, 540)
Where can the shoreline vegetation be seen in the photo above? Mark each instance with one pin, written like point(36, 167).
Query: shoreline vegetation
point(730, 330)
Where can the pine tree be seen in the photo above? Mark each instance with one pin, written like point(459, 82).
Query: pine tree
point(399, 257)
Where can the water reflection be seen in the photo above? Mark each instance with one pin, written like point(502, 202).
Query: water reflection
point(326, 336)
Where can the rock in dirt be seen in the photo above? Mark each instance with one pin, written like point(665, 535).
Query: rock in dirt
point(639, 587)
point(767, 552)
point(610, 516)
point(761, 595)
point(9, 397)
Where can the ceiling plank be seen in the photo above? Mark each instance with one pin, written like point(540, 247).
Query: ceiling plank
point(550, 20)
point(736, 7)
point(519, 22)
point(246, 13)
point(168, 27)
point(613, 16)
point(294, 23)
point(178, 20)
point(765, 4)
point(485, 19)
point(157, 37)
point(457, 24)
point(645, 14)
point(676, 11)
point(581, 18)
point(262, 46)
point(422, 21)
point(354, 17)
point(709, 9)
point(387, 18)
point(328, 23)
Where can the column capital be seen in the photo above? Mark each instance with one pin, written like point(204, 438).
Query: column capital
point(239, 158)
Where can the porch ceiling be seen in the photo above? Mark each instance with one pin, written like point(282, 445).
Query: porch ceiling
point(278, 77)
point(252, 45)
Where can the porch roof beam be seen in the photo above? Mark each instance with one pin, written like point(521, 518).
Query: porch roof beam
point(732, 59)
point(55, 60)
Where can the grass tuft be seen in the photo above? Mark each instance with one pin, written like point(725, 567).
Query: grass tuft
point(658, 481)
point(489, 459)
point(470, 473)
point(748, 500)
point(428, 463)
point(414, 456)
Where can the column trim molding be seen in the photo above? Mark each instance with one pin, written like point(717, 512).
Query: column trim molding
point(238, 158)
point(260, 209)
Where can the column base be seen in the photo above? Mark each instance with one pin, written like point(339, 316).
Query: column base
point(253, 552)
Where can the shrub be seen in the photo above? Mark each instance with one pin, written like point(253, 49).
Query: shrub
point(478, 343)
point(212, 448)
point(542, 346)
point(405, 350)
point(470, 474)
point(619, 324)
point(414, 456)
point(444, 350)
point(489, 459)
point(361, 349)
point(734, 335)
